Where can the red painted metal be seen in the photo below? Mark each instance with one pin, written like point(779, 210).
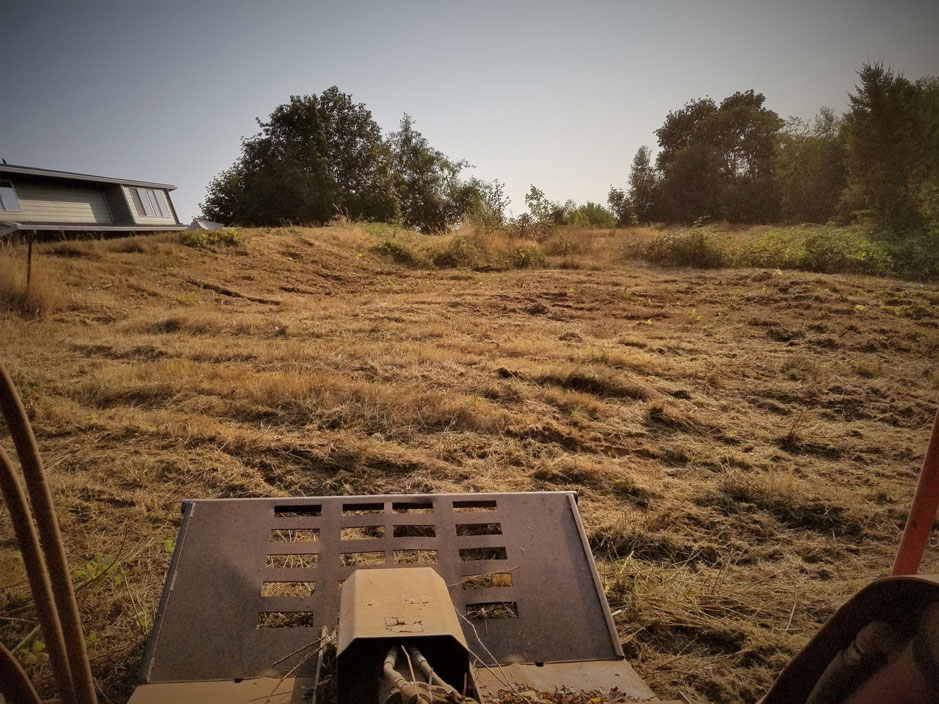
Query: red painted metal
point(922, 512)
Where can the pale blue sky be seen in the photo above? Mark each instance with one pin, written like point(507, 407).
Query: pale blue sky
point(559, 94)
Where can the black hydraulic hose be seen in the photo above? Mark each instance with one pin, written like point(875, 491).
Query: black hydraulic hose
point(50, 537)
point(28, 542)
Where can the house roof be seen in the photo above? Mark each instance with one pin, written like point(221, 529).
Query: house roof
point(52, 173)
point(8, 227)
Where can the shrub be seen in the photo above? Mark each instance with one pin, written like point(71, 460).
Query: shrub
point(696, 248)
point(205, 239)
point(458, 252)
point(824, 249)
point(404, 254)
point(916, 256)
point(528, 256)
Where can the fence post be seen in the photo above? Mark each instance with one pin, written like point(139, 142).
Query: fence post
point(29, 259)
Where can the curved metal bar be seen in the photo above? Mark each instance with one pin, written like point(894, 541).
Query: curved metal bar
point(14, 684)
point(37, 575)
point(50, 537)
point(922, 512)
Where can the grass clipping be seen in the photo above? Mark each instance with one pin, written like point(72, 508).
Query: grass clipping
point(562, 696)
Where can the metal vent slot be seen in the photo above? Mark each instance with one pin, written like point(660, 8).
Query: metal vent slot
point(297, 510)
point(292, 561)
point(362, 559)
point(492, 610)
point(294, 535)
point(473, 554)
point(413, 531)
point(288, 589)
point(401, 507)
point(408, 557)
point(463, 529)
point(286, 619)
point(362, 533)
point(362, 509)
point(494, 580)
point(472, 506)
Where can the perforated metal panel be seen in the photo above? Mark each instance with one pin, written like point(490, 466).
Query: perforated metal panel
point(215, 622)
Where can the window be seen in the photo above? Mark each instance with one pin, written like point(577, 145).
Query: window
point(8, 199)
point(150, 202)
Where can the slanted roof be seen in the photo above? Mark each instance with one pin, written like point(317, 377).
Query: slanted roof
point(52, 173)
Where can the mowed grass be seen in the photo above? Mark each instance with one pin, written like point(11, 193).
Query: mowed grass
point(744, 442)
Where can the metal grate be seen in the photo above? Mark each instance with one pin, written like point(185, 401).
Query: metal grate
point(254, 580)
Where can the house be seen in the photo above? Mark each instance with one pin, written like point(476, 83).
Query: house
point(43, 200)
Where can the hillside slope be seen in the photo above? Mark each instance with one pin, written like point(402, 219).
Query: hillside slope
point(744, 441)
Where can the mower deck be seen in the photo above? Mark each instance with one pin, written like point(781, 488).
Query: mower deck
point(253, 583)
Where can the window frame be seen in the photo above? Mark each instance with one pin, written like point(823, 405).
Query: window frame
point(150, 203)
point(8, 185)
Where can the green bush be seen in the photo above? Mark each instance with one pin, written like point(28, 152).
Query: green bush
point(404, 254)
point(205, 239)
point(458, 252)
point(916, 256)
point(528, 257)
point(828, 250)
point(696, 248)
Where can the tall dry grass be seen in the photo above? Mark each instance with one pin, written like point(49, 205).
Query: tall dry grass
point(42, 295)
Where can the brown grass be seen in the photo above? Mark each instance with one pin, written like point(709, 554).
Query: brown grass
point(744, 443)
point(39, 297)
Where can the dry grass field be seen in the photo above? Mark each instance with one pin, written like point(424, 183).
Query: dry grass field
point(744, 441)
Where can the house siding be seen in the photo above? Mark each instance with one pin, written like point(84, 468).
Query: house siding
point(64, 204)
point(141, 218)
point(118, 205)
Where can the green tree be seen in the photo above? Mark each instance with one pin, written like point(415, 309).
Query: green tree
point(483, 203)
point(881, 146)
point(619, 205)
point(642, 185)
point(718, 160)
point(809, 168)
point(539, 207)
point(432, 198)
point(592, 215)
point(892, 149)
point(315, 155)
point(357, 158)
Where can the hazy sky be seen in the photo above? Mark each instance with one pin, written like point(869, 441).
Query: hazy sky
point(556, 94)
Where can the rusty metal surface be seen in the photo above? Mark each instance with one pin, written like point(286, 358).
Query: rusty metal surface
point(264, 690)
point(207, 625)
point(577, 676)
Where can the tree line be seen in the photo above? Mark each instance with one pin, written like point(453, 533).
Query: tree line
point(319, 156)
point(738, 161)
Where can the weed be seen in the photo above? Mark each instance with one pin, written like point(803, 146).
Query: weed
point(528, 257)
point(459, 252)
point(207, 239)
point(696, 248)
point(404, 254)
